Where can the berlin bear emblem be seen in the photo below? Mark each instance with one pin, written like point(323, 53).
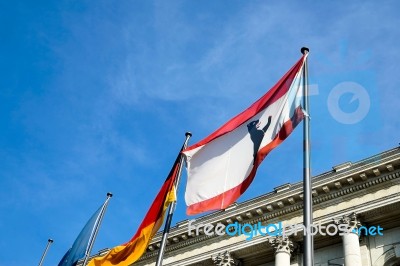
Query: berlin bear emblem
point(257, 134)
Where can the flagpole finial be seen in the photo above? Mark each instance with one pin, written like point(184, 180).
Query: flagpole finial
point(109, 194)
point(49, 242)
point(304, 50)
point(188, 134)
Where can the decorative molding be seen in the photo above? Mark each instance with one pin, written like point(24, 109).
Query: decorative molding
point(282, 187)
point(342, 166)
point(291, 200)
point(326, 189)
point(376, 172)
point(350, 180)
point(351, 220)
point(282, 244)
point(363, 176)
point(224, 259)
point(390, 167)
point(231, 207)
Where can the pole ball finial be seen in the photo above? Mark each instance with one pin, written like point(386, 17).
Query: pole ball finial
point(304, 50)
point(109, 194)
point(188, 134)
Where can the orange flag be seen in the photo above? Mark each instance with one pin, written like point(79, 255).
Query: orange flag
point(128, 253)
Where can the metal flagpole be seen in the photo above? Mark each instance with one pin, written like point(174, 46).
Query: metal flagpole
point(49, 242)
point(172, 206)
point(308, 257)
point(96, 229)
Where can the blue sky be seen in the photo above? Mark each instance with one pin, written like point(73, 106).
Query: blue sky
point(96, 96)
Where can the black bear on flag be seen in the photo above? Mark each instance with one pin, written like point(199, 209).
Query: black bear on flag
point(257, 135)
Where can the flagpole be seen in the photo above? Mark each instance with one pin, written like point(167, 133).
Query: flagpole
point(172, 206)
point(49, 242)
point(96, 229)
point(308, 257)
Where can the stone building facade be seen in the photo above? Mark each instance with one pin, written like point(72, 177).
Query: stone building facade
point(360, 195)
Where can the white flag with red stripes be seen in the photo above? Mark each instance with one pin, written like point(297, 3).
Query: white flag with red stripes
point(222, 166)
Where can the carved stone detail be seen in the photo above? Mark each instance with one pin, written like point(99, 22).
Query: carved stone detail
point(282, 244)
point(350, 220)
point(224, 259)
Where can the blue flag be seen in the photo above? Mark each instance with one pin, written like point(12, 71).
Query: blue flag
point(81, 244)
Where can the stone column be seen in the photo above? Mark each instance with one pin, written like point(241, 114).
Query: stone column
point(283, 248)
point(225, 259)
point(351, 243)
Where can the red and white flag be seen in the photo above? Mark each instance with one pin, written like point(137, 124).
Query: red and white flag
point(222, 166)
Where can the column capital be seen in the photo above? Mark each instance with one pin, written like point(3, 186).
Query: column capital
point(225, 259)
point(282, 244)
point(351, 220)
